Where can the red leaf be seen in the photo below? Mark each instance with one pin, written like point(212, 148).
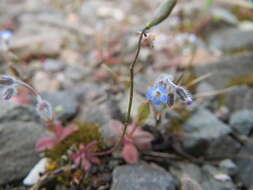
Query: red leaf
point(45, 143)
point(68, 131)
point(130, 153)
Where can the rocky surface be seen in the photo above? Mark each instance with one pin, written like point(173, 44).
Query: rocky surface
point(64, 103)
point(150, 177)
point(239, 98)
point(242, 121)
point(205, 176)
point(227, 40)
point(245, 165)
point(206, 135)
point(18, 135)
point(227, 69)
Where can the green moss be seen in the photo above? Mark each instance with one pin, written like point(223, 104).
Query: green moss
point(242, 80)
point(85, 134)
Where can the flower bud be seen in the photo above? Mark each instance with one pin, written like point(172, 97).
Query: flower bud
point(8, 93)
point(162, 13)
point(184, 95)
point(44, 109)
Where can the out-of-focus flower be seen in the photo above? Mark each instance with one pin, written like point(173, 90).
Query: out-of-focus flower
point(60, 133)
point(44, 109)
point(6, 80)
point(157, 96)
point(8, 93)
point(86, 155)
point(5, 35)
point(134, 140)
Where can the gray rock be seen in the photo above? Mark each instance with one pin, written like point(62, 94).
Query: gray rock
point(242, 121)
point(18, 136)
point(204, 176)
point(245, 166)
point(239, 98)
point(39, 44)
point(76, 73)
point(52, 65)
point(227, 69)
point(64, 103)
point(228, 167)
point(227, 39)
point(206, 135)
point(142, 176)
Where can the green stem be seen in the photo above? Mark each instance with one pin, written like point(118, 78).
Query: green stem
point(131, 69)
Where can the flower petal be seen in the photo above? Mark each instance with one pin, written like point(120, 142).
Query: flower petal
point(164, 98)
point(149, 94)
point(45, 143)
point(130, 153)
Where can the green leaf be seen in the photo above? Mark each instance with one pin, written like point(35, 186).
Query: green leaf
point(143, 113)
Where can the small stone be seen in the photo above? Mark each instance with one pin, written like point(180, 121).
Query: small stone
point(76, 73)
point(228, 166)
point(142, 176)
point(52, 65)
point(44, 82)
point(242, 121)
point(34, 175)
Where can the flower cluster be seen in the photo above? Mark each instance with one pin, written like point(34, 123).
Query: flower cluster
point(165, 91)
point(8, 89)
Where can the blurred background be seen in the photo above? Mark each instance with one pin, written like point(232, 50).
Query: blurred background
point(76, 54)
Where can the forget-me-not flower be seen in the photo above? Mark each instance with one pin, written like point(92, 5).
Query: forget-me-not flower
point(157, 96)
point(5, 35)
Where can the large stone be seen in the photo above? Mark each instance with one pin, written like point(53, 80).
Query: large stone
point(239, 98)
point(245, 165)
point(206, 135)
point(18, 135)
point(227, 39)
point(242, 121)
point(142, 176)
point(227, 69)
point(64, 103)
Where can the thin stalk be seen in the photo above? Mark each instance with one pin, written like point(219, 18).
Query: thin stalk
point(131, 70)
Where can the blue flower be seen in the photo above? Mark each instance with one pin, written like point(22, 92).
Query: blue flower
point(5, 34)
point(157, 96)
